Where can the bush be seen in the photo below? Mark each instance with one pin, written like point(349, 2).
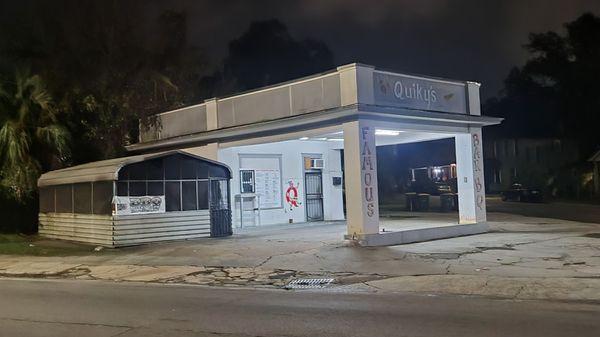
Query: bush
point(19, 217)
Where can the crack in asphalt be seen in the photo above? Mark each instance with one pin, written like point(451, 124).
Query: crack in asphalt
point(64, 322)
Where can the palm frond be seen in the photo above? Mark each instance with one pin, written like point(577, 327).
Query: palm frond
point(14, 143)
point(54, 136)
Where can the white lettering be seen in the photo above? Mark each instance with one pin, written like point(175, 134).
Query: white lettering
point(415, 91)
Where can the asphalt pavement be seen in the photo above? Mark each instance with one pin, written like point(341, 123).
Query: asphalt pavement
point(554, 210)
point(72, 308)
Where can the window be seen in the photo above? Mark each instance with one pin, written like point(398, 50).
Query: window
point(497, 176)
point(188, 168)
point(203, 194)
point(122, 188)
point(172, 171)
point(137, 188)
point(247, 181)
point(47, 199)
point(557, 145)
point(102, 197)
point(495, 149)
point(188, 196)
point(182, 180)
point(64, 199)
point(172, 196)
point(82, 198)
point(156, 188)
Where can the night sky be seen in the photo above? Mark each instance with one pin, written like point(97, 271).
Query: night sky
point(470, 40)
point(477, 40)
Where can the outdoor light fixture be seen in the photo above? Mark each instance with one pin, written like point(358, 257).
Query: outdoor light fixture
point(304, 138)
point(380, 132)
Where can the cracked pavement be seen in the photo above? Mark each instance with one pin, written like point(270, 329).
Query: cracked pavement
point(521, 257)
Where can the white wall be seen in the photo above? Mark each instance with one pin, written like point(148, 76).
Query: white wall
point(291, 153)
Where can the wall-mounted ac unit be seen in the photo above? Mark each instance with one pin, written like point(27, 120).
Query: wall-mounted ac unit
point(316, 164)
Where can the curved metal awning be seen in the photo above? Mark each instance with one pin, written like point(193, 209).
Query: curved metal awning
point(106, 170)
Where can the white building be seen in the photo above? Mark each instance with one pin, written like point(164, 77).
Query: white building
point(270, 134)
point(284, 146)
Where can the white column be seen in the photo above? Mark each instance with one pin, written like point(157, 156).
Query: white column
point(360, 169)
point(469, 168)
point(333, 199)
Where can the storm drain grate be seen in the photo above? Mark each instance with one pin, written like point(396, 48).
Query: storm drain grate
point(306, 283)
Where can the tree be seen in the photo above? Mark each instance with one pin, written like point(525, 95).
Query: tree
point(30, 137)
point(267, 54)
point(556, 92)
point(108, 65)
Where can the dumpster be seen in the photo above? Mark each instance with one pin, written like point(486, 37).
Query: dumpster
point(423, 202)
point(448, 202)
point(411, 202)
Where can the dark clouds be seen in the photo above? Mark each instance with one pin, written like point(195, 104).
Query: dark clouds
point(476, 40)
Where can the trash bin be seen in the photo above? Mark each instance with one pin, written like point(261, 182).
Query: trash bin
point(447, 202)
point(423, 202)
point(411, 201)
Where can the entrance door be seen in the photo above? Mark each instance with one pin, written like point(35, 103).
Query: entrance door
point(313, 181)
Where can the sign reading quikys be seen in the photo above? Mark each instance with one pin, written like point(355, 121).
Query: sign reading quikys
point(419, 93)
point(138, 205)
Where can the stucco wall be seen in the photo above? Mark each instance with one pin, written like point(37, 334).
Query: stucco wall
point(292, 168)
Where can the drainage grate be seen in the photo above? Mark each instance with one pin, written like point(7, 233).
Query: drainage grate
point(306, 283)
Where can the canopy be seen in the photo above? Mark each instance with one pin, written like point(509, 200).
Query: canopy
point(106, 170)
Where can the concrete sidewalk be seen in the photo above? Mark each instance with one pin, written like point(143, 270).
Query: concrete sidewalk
point(521, 257)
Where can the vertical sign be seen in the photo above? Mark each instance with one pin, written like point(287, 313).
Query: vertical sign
point(478, 175)
point(369, 170)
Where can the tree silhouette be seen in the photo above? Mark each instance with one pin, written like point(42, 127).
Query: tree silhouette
point(267, 54)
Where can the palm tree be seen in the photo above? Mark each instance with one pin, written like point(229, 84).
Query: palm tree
point(30, 136)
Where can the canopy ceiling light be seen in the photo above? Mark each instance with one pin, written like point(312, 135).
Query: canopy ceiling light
point(381, 132)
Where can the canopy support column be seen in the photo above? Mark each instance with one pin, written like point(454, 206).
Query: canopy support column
point(471, 186)
point(360, 166)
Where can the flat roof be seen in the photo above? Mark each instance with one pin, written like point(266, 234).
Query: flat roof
point(318, 100)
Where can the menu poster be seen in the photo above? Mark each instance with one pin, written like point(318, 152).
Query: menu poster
point(268, 186)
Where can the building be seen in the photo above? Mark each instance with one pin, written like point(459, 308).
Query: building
point(139, 199)
point(534, 162)
point(284, 146)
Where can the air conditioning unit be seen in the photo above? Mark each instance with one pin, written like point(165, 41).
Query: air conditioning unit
point(316, 164)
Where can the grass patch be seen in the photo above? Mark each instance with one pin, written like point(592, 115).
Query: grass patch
point(17, 244)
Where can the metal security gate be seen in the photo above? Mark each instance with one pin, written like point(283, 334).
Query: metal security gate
point(220, 210)
point(314, 195)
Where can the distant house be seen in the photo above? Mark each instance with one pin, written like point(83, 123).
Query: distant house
point(534, 162)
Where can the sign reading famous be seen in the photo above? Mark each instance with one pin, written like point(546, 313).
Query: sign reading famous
point(419, 93)
point(368, 169)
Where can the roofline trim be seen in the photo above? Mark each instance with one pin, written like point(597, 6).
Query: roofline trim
point(318, 118)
